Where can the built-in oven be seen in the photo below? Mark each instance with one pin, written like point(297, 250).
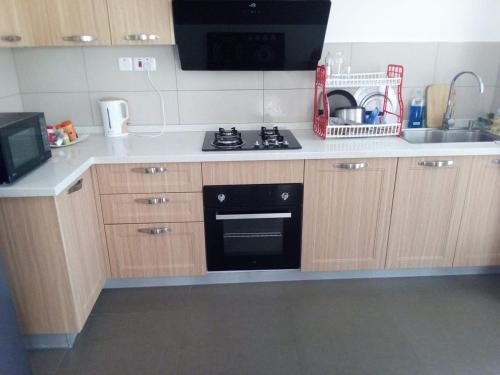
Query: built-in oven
point(253, 227)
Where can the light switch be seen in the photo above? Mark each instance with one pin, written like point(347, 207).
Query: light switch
point(125, 64)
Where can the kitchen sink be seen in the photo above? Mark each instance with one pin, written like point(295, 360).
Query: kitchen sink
point(446, 136)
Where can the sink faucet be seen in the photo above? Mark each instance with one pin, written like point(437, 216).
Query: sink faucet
point(448, 120)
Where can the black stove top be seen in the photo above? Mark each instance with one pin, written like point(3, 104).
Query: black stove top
point(250, 140)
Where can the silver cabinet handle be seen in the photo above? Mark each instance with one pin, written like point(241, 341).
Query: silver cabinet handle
point(76, 187)
point(11, 38)
point(436, 163)
point(153, 201)
point(80, 38)
point(155, 231)
point(496, 161)
point(254, 216)
point(141, 37)
point(351, 165)
point(150, 170)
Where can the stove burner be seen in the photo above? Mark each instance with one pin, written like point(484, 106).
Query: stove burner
point(266, 133)
point(227, 139)
point(272, 138)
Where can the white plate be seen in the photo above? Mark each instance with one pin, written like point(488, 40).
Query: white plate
point(78, 140)
point(363, 94)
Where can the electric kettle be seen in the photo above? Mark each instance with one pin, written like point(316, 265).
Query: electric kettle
point(115, 116)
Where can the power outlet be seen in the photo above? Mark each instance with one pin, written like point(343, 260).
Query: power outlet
point(125, 64)
point(142, 64)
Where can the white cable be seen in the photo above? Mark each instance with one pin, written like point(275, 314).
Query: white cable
point(163, 115)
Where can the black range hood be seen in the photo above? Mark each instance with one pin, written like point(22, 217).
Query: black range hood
point(250, 35)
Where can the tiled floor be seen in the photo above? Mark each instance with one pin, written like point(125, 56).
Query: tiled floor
point(434, 325)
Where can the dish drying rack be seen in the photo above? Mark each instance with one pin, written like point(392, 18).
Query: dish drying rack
point(393, 77)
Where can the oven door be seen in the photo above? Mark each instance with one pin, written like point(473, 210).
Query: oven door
point(243, 240)
point(23, 148)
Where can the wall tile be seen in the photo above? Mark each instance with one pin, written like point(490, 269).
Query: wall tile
point(288, 105)
point(61, 106)
point(144, 107)
point(417, 58)
point(8, 76)
point(50, 70)
point(103, 73)
point(289, 80)
point(221, 107)
point(496, 100)
point(482, 58)
point(471, 104)
point(11, 103)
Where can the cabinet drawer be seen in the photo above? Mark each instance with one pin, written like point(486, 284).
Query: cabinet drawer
point(152, 208)
point(149, 178)
point(152, 250)
point(253, 172)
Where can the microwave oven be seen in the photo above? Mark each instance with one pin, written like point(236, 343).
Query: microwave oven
point(24, 144)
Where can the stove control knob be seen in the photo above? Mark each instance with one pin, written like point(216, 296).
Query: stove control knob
point(265, 143)
point(221, 197)
point(286, 143)
point(285, 196)
point(257, 144)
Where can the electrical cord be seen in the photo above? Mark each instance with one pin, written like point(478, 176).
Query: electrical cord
point(163, 112)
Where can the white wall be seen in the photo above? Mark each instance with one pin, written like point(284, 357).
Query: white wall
point(414, 21)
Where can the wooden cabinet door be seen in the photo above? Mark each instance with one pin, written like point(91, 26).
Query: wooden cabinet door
point(76, 22)
point(347, 207)
point(15, 26)
point(479, 237)
point(81, 236)
point(160, 249)
point(427, 208)
point(140, 21)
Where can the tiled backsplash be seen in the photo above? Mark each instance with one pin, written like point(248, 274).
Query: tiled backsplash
point(67, 82)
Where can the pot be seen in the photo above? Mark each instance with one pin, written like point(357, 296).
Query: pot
point(351, 115)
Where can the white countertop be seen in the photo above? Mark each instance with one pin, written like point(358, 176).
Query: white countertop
point(68, 163)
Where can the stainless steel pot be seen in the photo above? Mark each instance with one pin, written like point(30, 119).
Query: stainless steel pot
point(351, 115)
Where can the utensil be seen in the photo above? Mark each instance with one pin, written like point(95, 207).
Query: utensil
point(351, 114)
point(115, 116)
point(436, 101)
point(340, 99)
point(373, 97)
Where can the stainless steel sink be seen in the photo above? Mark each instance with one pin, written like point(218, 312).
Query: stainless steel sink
point(446, 136)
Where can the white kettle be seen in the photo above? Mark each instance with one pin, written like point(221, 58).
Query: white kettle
point(115, 116)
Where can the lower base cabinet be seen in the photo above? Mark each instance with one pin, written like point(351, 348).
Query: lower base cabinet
point(479, 237)
point(154, 250)
point(427, 210)
point(347, 208)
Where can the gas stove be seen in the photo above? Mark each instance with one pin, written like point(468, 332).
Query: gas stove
point(250, 140)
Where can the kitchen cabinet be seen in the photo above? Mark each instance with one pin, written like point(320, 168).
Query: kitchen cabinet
point(347, 207)
point(159, 249)
point(75, 22)
point(16, 29)
point(52, 248)
point(140, 21)
point(479, 237)
point(253, 172)
point(427, 208)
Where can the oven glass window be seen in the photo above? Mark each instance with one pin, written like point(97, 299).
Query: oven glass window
point(253, 237)
point(23, 146)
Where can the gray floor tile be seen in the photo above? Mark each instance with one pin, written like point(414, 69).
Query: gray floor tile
point(45, 362)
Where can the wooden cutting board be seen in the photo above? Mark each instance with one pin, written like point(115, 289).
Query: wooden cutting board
point(436, 101)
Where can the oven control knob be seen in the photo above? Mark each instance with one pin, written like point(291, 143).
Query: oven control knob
point(221, 197)
point(285, 196)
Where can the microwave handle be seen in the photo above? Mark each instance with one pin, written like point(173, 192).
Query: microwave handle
point(280, 215)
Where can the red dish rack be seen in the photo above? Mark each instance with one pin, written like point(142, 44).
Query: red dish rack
point(393, 77)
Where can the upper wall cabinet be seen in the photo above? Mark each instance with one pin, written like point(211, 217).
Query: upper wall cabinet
point(15, 26)
point(75, 22)
point(140, 21)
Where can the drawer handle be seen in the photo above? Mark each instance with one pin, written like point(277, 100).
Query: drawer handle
point(150, 170)
point(351, 165)
point(436, 163)
point(141, 37)
point(80, 38)
point(155, 231)
point(153, 201)
point(496, 161)
point(76, 187)
point(11, 38)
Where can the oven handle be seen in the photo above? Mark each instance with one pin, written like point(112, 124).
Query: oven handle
point(282, 215)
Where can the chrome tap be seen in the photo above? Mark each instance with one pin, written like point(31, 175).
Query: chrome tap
point(448, 120)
